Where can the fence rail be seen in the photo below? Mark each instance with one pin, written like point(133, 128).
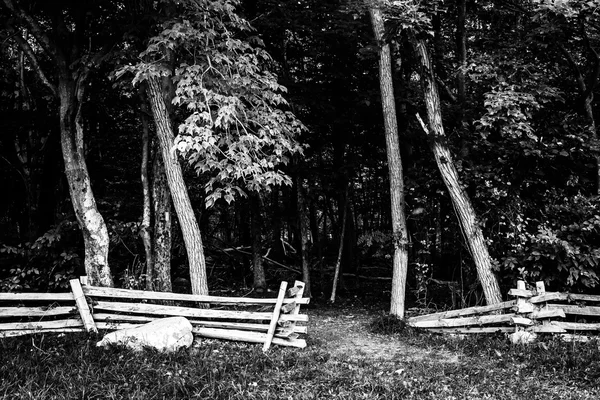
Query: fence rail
point(533, 310)
point(87, 309)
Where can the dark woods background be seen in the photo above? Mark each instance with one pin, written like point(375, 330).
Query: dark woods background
point(523, 135)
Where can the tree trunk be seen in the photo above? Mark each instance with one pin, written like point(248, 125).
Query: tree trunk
point(399, 230)
point(260, 281)
point(72, 80)
point(303, 230)
point(161, 244)
point(179, 194)
point(95, 234)
point(336, 274)
point(145, 232)
point(462, 205)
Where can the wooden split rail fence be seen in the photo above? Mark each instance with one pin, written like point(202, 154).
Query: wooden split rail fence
point(535, 311)
point(88, 309)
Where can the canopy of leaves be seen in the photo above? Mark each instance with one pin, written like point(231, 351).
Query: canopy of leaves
point(238, 129)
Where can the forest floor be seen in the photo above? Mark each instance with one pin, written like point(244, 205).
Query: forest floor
point(428, 366)
point(347, 334)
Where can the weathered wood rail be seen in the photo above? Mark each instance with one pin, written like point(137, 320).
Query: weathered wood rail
point(534, 311)
point(88, 309)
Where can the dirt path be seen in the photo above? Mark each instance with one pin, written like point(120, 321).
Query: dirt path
point(346, 335)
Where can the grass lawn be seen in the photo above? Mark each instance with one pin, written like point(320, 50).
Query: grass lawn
point(350, 355)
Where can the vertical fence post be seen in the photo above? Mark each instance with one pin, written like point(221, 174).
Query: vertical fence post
point(82, 306)
point(521, 304)
point(541, 289)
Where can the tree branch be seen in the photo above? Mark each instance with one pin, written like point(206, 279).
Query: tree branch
point(36, 30)
point(595, 75)
point(578, 76)
point(446, 90)
point(515, 7)
point(24, 45)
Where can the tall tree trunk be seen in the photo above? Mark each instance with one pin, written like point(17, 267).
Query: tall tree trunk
point(95, 234)
point(72, 80)
point(145, 232)
point(260, 281)
point(179, 194)
point(161, 243)
point(303, 230)
point(462, 205)
point(399, 230)
point(338, 263)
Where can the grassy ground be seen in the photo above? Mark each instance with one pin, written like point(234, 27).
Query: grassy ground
point(348, 357)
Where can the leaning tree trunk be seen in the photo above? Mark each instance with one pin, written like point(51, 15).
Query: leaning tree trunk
point(179, 194)
point(462, 205)
point(95, 234)
point(399, 230)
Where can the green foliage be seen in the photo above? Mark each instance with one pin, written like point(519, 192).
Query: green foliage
point(125, 254)
point(509, 111)
point(376, 244)
point(46, 264)
point(236, 129)
point(412, 15)
point(564, 251)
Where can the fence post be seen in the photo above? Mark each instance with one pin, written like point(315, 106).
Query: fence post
point(275, 318)
point(541, 289)
point(522, 307)
point(82, 306)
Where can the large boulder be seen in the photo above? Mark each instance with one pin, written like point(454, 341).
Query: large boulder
point(164, 335)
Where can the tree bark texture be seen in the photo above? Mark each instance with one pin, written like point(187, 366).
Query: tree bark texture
point(95, 233)
point(145, 231)
point(461, 202)
point(399, 230)
point(72, 79)
point(179, 194)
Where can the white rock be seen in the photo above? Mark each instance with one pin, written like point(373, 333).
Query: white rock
point(522, 337)
point(164, 335)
